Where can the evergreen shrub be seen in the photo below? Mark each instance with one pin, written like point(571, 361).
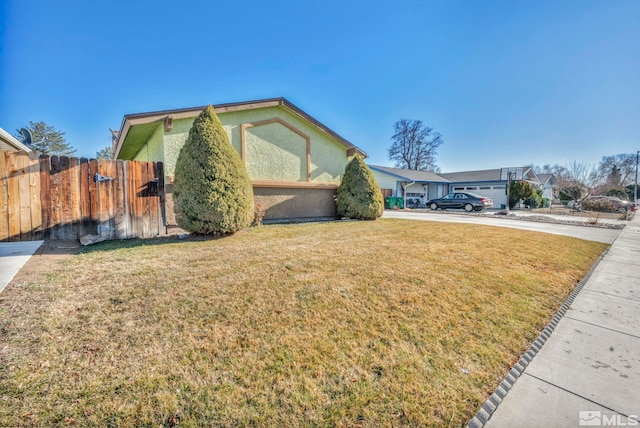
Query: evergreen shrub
point(359, 195)
point(212, 190)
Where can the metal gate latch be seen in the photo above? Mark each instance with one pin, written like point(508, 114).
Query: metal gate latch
point(100, 178)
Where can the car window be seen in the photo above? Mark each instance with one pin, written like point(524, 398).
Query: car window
point(449, 196)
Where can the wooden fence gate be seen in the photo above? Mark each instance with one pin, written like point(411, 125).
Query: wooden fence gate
point(44, 197)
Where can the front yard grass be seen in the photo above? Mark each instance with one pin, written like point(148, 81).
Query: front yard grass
point(385, 323)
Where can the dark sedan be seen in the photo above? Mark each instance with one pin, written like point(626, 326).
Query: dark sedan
point(467, 201)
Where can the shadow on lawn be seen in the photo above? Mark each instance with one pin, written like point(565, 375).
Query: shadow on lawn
point(160, 240)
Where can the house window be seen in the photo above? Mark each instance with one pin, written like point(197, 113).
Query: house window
point(484, 187)
point(458, 188)
point(472, 188)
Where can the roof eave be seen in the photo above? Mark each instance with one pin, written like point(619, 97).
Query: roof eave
point(14, 141)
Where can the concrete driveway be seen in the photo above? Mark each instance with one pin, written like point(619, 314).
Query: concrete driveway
point(13, 255)
point(597, 234)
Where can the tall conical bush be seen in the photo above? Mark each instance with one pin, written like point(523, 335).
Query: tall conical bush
point(359, 195)
point(212, 190)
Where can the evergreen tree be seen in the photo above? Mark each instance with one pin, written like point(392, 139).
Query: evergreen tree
point(212, 190)
point(106, 153)
point(359, 195)
point(46, 140)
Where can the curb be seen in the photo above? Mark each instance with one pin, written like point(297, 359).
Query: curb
point(494, 400)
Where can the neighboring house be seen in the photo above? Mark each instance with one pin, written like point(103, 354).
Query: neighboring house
point(295, 162)
point(548, 182)
point(410, 184)
point(10, 143)
point(491, 182)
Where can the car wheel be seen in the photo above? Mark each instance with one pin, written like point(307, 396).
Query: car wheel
point(433, 206)
point(621, 209)
point(468, 208)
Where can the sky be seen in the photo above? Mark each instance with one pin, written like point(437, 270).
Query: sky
point(507, 83)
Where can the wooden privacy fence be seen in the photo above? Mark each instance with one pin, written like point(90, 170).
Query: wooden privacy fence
point(44, 197)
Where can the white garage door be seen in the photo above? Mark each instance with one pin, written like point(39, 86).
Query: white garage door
point(497, 193)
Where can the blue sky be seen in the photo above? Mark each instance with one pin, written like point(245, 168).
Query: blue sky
point(506, 82)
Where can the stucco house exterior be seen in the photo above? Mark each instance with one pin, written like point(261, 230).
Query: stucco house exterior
point(294, 161)
point(428, 185)
point(9, 143)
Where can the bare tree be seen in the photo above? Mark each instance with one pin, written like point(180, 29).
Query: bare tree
point(573, 180)
point(618, 171)
point(414, 145)
point(582, 173)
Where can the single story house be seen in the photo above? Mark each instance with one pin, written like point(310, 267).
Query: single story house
point(417, 187)
point(9, 143)
point(294, 161)
point(548, 181)
point(429, 185)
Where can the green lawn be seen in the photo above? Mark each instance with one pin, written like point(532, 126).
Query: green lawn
point(385, 323)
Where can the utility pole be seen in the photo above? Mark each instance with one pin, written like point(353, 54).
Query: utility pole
point(635, 192)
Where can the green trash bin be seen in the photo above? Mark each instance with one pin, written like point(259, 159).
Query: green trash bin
point(388, 202)
point(400, 203)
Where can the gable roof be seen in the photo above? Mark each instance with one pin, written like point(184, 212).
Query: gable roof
point(131, 120)
point(11, 141)
point(411, 175)
point(498, 174)
point(544, 178)
point(482, 175)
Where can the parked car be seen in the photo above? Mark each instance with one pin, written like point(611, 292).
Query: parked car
point(606, 203)
point(467, 201)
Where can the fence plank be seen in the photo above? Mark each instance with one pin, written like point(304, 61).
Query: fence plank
point(56, 204)
point(85, 201)
point(111, 167)
point(65, 198)
point(45, 195)
point(120, 226)
point(152, 195)
point(94, 196)
point(74, 181)
point(137, 206)
point(162, 218)
point(22, 162)
point(35, 192)
point(4, 199)
point(131, 201)
point(13, 199)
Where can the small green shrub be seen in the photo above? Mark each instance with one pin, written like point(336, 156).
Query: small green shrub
point(359, 195)
point(212, 189)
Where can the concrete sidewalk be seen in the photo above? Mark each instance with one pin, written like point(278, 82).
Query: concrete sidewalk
point(13, 255)
point(584, 369)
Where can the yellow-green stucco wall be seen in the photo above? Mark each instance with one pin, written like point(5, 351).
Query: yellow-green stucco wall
point(273, 151)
